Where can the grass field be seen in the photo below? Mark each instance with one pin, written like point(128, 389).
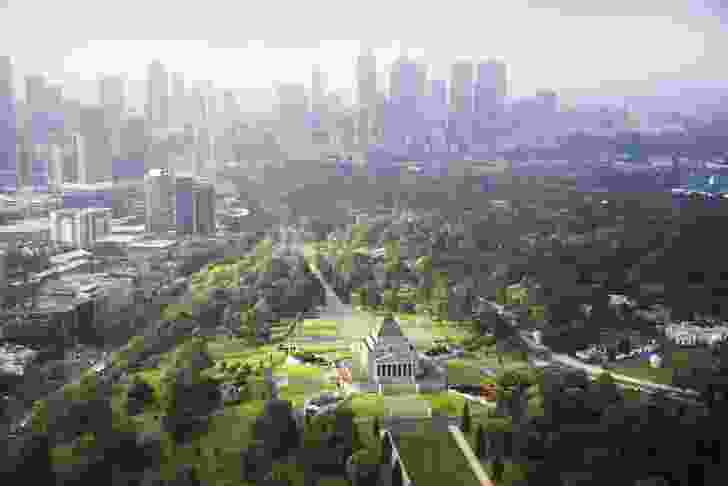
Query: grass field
point(646, 372)
point(368, 404)
point(406, 406)
point(319, 327)
point(433, 458)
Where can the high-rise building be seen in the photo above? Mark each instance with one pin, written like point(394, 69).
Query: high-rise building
point(158, 96)
point(8, 128)
point(112, 93)
point(293, 115)
point(112, 97)
point(36, 95)
point(366, 75)
point(492, 87)
point(318, 91)
point(461, 87)
point(231, 108)
point(194, 206)
point(366, 72)
point(160, 198)
point(422, 85)
point(490, 99)
point(178, 101)
point(97, 146)
point(77, 159)
point(198, 106)
point(135, 139)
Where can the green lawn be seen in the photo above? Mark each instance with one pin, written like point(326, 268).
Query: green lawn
point(300, 371)
point(464, 372)
point(646, 372)
point(433, 458)
point(406, 406)
point(445, 402)
point(368, 404)
point(319, 327)
point(398, 389)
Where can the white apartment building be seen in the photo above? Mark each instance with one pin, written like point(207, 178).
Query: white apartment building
point(80, 227)
point(686, 334)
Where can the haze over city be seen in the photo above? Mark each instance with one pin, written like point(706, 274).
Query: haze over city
point(608, 50)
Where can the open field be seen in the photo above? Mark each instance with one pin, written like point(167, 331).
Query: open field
point(433, 458)
point(406, 406)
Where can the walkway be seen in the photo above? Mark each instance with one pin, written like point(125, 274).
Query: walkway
point(352, 324)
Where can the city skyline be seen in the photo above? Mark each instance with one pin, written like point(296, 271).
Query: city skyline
point(622, 51)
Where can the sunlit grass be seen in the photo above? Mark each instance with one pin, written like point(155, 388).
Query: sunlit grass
point(368, 404)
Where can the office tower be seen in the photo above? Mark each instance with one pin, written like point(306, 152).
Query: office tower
point(212, 107)
point(135, 140)
point(204, 149)
point(492, 87)
point(8, 128)
point(112, 98)
point(36, 95)
point(79, 227)
point(461, 87)
point(194, 206)
point(231, 109)
point(404, 123)
point(177, 106)
point(318, 91)
point(292, 116)
point(461, 105)
point(97, 166)
point(436, 115)
point(158, 96)
point(490, 98)
point(55, 165)
point(76, 166)
point(159, 189)
point(366, 75)
point(198, 106)
point(112, 93)
point(422, 85)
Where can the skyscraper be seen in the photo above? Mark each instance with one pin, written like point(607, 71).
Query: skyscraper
point(461, 87)
point(112, 97)
point(112, 93)
point(35, 93)
point(490, 97)
point(366, 75)
point(492, 87)
point(97, 146)
point(178, 101)
point(8, 128)
point(160, 199)
point(194, 206)
point(158, 96)
point(461, 101)
point(318, 90)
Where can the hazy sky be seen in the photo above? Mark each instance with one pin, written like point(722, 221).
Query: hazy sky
point(574, 46)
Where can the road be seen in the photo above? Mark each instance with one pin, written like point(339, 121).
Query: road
point(593, 371)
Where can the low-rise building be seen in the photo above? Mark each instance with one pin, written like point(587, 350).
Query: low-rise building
point(388, 355)
point(687, 334)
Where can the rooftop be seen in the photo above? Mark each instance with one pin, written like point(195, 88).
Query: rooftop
point(153, 244)
point(126, 229)
point(119, 238)
point(26, 226)
point(68, 256)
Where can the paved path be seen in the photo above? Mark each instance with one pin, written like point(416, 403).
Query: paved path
point(352, 323)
